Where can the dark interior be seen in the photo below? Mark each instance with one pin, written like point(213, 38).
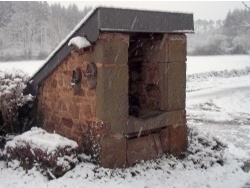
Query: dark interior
point(143, 90)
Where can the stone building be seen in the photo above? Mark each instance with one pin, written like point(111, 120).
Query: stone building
point(122, 97)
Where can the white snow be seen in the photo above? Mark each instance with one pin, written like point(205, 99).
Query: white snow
point(11, 87)
point(80, 42)
point(39, 138)
point(200, 64)
point(220, 106)
point(217, 105)
point(29, 67)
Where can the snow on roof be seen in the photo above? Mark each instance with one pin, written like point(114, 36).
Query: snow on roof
point(38, 138)
point(80, 42)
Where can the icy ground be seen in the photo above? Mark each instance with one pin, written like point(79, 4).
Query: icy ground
point(217, 105)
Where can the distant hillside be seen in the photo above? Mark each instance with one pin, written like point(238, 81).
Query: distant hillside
point(230, 36)
point(31, 30)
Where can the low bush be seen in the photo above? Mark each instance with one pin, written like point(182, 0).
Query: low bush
point(50, 153)
point(12, 99)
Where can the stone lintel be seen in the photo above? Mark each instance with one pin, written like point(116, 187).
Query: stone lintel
point(134, 125)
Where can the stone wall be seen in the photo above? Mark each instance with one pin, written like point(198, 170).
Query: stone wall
point(80, 115)
point(67, 113)
point(99, 119)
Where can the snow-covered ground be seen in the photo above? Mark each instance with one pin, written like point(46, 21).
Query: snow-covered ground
point(30, 67)
point(217, 105)
point(195, 64)
point(198, 64)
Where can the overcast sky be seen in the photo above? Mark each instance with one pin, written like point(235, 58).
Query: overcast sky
point(202, 9)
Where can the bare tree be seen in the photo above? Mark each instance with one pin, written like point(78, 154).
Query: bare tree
point(248, 7)
point(245, 5)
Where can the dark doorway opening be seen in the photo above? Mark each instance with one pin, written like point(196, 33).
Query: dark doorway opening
point(144, 90)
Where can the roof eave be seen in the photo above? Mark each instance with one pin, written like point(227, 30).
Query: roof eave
point(103, 19)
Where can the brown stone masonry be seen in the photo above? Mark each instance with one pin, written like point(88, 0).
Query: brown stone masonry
point(64, 112)
point(100, 119)
point(76, 115)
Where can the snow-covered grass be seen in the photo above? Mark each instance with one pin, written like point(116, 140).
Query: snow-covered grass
point(217, 106)
point(208, 163)
point(30, 67)
point(201, 64)
point(220, 106)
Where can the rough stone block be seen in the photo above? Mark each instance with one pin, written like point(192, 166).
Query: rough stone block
point(172, 48)
point(50, 127)
point(174, 139)
point(54, 83)
point(178, 138)
point(112, 92)
point(177, 48)
point(73, 111)
point(156, 51)
point(67, 122)
point(150, 72)
point(108, 52)
point(142, 148)
point(175, 117)
point(176, 86)
point(113, 152)
point(158, 144)
point(165, 140)
point(88, 113)
point(62, 106)
point(163, 72)
point(108, 36)
point(172, 85)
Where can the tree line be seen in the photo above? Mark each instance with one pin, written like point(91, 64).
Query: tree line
point(229, 36)
point(31, 30)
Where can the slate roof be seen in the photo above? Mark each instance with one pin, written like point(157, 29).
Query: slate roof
point(103, 19)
